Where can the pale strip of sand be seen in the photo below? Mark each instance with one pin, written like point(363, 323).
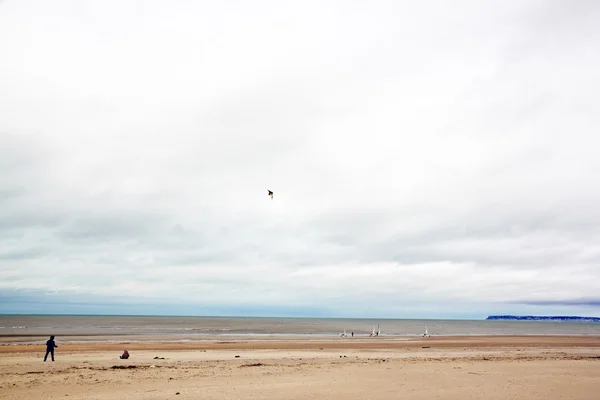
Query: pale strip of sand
point(77, 343)
point(344, 368)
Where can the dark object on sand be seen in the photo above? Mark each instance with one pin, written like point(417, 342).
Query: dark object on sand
point(251, 365)
point(125, 355)
point(237, 356)
point(50, 346)
point(159, 358)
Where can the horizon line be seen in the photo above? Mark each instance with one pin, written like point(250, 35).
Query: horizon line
point(229, 316)
point(291, 316)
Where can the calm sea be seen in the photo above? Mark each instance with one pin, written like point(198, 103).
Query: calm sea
point(199, 327)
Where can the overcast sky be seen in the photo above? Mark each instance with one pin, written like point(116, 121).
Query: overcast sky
point(428, 159)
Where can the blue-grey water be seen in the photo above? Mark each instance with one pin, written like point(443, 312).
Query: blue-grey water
point(198, 327)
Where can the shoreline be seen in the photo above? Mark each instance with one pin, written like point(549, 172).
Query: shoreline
point(272, 336)
point(16, 345)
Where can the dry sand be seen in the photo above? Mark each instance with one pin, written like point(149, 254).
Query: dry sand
point(297, 368)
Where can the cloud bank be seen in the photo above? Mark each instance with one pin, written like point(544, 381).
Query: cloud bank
point(431, 159)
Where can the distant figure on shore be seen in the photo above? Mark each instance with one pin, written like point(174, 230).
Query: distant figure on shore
point(125, 355)
point(50, 345)
point(352, 334)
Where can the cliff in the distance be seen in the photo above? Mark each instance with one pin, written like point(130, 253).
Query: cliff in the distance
point(542, 318)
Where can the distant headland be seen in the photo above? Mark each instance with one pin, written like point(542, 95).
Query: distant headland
point(542, 318)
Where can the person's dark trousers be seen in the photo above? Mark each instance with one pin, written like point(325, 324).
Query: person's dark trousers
point(51, 352)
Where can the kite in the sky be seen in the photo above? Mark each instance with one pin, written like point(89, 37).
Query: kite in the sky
point(270, 194)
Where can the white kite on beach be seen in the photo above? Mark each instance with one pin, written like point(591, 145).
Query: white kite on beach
point(426, 334)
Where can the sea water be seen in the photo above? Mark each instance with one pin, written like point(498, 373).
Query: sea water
point(198, 327)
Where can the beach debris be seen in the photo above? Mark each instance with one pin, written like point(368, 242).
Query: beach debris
point(426, 347)
point(159, 358)
point(176, 393)
point(237, 356)
point(270, 194)
point(123, 366)
point(252, 365)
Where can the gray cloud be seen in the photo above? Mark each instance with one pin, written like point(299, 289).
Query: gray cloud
point(27, 254)
point(589, 302)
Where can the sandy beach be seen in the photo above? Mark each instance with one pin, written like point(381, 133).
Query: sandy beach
point(520, 367)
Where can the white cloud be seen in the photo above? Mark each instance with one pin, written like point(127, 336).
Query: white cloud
point(422, 155)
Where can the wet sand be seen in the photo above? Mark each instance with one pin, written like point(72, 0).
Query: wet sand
point(298, 368)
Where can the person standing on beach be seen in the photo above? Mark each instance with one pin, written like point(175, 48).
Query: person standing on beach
point(50, 345)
